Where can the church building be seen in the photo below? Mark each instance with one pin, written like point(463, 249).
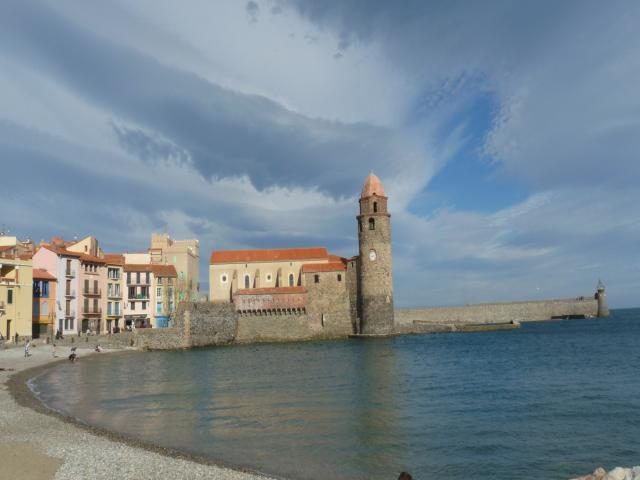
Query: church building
point(334, 294)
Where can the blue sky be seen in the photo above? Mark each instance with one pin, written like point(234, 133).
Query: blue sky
point(505, 133)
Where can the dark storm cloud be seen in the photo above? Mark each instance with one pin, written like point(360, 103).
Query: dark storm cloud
point(225, 133)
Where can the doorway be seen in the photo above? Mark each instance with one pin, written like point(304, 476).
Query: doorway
point(8, 329)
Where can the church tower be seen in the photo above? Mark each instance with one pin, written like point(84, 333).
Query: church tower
point(375, 280)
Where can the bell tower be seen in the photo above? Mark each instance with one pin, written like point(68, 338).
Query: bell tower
point(375, 278)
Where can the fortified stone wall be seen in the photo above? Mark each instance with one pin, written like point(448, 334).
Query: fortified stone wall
point(205, 323)
point(499, 312)
point(328, 306)
point(274, 328)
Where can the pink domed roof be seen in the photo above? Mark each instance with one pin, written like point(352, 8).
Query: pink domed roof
point(372, 186)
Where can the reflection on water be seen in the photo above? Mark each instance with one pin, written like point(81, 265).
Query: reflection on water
point(480, 405)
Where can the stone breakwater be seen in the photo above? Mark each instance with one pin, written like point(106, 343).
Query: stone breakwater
point(618, 473)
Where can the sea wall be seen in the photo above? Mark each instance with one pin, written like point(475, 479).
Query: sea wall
point(499, 312)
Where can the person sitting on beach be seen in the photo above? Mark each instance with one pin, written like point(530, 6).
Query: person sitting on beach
point(73, 357)
point(98, 348)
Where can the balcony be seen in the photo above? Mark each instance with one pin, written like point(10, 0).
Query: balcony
point(142, 281)
point(91, 310)
point(70, 314)
point(70, 294)
point(2, 307)
point(7, 281)
point(70, 273)
point(114, 313)
point(112, 294)
point(92, 292)
point(139, 296)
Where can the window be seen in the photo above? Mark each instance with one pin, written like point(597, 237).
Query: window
point(109, 310)
point(372, 224)
point(95, 306)
point(375, 207)
point(133, 306)
point(44, 308)
point(146, 277)
point(316, 278)
point(45, 289)
point(128, 277)
point(86, 305)
point(291, 279)
point(132, 292)
point(223, 278)
point(116, 309)
point(159, 292)
point(36, 288)
point(247, 281)
point(339, 277)
point(269, 277)
point(95, 286)
point(137, 277)
point(144, 305)
point(86, 285)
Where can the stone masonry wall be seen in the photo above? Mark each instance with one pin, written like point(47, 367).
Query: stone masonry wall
point(275, 328)
point(205, 323)
point(328, 305)
point(499, 312)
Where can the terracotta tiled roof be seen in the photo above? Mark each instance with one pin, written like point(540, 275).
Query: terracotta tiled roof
point(90, 258)
point(138, 267)
point(273, 255)
point(164, 270)
point(62, 251)
point(323, 267)
point(271, 291)
point(42, 274)
point(114, 259)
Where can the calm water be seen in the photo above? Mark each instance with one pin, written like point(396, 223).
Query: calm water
point(551, 400)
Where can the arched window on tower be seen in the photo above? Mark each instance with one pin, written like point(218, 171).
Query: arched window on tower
point(291, 279)
point(375, 207)
point(372, 224)
point(247, 281)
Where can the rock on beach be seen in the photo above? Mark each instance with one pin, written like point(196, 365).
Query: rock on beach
point(618, 473)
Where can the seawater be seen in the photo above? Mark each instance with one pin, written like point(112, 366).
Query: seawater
point(549, 400)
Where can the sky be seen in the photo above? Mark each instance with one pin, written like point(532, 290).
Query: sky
point(506, 134)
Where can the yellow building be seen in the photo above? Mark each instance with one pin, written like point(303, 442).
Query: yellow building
point(184, 255)
point(16, 296)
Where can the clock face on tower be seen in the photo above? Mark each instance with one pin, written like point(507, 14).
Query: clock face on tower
point(372, 255)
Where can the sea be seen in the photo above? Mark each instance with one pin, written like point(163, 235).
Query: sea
point(548, 400)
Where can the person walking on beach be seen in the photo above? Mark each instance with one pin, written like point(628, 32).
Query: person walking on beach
point(27, 347)
point(16, 338)
point(53, 351)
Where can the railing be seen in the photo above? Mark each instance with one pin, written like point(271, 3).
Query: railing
point(92, 310)
point(70, 293)
point(116, 313)
point(2, 307)
point(117, 277)
point(70, 314)
point(92, 291)
point(7, 280)
point(70, 272)
point(139, 296)
point(112, 294)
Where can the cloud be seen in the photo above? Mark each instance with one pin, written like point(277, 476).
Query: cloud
point(252, 125)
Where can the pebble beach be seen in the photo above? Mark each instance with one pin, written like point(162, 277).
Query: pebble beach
point(38, 444)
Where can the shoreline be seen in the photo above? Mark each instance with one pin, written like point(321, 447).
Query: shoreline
point(45, 439)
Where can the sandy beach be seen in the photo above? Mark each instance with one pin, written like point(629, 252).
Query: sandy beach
point(38, 444)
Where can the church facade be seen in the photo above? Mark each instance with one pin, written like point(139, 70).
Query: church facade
point(326, 293)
